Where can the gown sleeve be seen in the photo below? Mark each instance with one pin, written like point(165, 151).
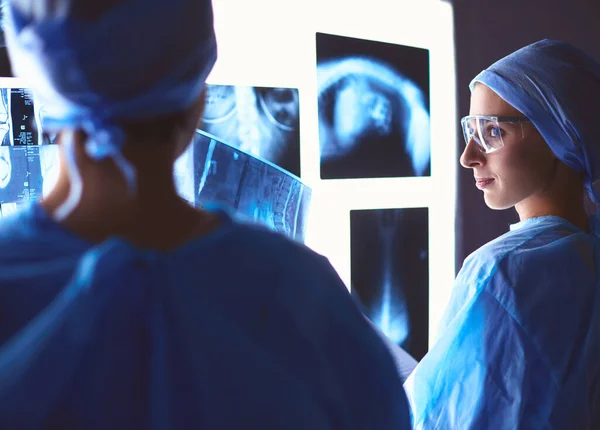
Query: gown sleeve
point(483, 372)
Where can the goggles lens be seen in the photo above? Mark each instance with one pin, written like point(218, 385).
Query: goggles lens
point(488, 131)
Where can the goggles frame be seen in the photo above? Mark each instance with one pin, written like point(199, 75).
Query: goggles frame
point(493, 143)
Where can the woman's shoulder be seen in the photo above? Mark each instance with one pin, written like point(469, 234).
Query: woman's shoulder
point(536, 238)
point(29, 234)
point(543, 276)
point(543, 251)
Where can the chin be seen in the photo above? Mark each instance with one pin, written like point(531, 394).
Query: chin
point(496, 204)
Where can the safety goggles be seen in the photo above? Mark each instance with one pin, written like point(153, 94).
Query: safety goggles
point(489, 132)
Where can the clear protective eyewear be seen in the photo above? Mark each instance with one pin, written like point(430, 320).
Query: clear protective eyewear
point(488, 131)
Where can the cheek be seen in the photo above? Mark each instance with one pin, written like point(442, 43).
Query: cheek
point(525, 170)
point(534, 163)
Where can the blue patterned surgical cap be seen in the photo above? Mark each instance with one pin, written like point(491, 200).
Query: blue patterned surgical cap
point(93, 63)
point(556, 86)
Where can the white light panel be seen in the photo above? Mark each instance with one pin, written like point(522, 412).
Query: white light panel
point(272, 43)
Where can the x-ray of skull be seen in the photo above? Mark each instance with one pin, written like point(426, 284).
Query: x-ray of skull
point(373, 102)
point(263, 122)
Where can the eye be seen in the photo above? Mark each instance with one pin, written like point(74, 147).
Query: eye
point(492, 131)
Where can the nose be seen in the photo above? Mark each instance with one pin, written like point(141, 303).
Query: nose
point(472, 156)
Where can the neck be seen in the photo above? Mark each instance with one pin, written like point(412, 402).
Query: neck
point(570, 207)
point(146, 218)
point(563, 196)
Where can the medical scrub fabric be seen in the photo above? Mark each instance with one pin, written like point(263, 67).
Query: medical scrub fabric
point(238, 329)
point(519, 345)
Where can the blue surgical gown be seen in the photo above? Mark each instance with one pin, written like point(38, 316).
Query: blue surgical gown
point(519, 343)
point(238, 329)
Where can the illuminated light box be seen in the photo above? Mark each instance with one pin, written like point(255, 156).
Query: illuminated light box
point(270, 44)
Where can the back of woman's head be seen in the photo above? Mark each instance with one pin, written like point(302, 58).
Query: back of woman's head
point(112, 59)
point(110, 67)
point(556, 86)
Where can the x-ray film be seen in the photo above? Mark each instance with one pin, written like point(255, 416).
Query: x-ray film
point(5, 117)
point(373, 104)
point(21, 177)
point(212, 171)
point(14, 186)
point(263, 122)
point(390, 273)
point(19, 118)
point(25, 129)
point(28, 168)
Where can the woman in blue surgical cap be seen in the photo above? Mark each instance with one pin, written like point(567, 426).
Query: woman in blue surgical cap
point(520, 346)
point(121, 307)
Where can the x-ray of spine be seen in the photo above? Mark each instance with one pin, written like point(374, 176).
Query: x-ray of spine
point(20, 175)
point(27, 173)
point(14, 174)
point(263, 122)
point(211, 171)
point(390, 273)
point(19, 118)
point(373, 103)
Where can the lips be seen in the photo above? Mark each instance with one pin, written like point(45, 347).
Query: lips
point(483, 183)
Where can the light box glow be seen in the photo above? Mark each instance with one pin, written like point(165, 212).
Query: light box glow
point(273, 44)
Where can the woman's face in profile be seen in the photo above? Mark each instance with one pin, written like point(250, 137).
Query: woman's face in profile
point(522, 168)
point(5, 166)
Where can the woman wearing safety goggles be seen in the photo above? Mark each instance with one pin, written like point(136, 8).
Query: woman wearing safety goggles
point(520, 346)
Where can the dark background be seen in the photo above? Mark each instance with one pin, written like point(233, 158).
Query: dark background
point(486, 31)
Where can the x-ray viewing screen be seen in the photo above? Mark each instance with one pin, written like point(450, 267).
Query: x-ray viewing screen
point(263, 122)
point(211, 171)
point(390, 273)
point(28, 168)
point(373, 104)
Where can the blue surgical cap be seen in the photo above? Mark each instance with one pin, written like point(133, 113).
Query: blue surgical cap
point(556, 86)
point(94, 63)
